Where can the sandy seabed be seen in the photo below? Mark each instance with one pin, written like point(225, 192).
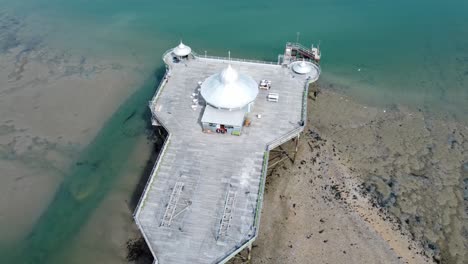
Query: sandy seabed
point(52, 104)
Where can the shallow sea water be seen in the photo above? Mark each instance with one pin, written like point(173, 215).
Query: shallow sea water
point(380, 53)
point(386, 52)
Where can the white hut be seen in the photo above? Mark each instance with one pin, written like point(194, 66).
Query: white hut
point(229, 95)
point(182, 51)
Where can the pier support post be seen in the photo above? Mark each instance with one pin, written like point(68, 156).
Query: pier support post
point(296, 147)
point(249, 253)
point(286, 153)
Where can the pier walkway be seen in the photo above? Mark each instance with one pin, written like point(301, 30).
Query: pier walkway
point(203, 201)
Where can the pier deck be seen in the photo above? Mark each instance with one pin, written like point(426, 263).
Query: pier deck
point(203, 199)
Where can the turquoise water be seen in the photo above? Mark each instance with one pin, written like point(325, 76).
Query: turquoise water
point(413, 52)
point(408, 52)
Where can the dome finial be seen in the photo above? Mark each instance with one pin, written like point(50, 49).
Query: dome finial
point(229, 75)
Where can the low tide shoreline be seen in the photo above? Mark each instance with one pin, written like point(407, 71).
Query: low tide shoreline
point(361, 186)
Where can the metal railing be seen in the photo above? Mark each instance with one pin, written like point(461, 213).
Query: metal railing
point(258, 212)
point(233, 59)
point(155, 168)
point(261, 190)
point(161, 153)
point(304, 49)
point(160, 87)
point(284, 138)
point(290, 134)
point(165, 54)
point(304, 104)
point(142, 199)
point(299, 46)
point(296, 45)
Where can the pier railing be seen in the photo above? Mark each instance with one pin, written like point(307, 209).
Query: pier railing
point(304, 103)
point(153, 174)
point(302, 123)
point(233, 59)
point(297, 45)
point(258, 212)
point(165, 54)
point(161, 85)
point(303, 49)
point(151, 105)
point(161, 153)
point(154, 171)
point(284, 138)
point(261, 190)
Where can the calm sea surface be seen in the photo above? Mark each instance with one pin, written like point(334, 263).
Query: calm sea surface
point(413, 53)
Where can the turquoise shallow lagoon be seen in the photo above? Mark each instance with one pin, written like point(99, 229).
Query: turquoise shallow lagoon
point(381, 53)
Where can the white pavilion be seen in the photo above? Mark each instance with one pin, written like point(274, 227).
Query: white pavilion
point(182, 51)
point(229, 96)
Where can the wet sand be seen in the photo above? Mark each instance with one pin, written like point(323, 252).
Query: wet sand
point(112, 222)
point(369, 185)
point(52, 104)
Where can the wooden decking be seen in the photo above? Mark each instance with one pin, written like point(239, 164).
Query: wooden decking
point(203, 200)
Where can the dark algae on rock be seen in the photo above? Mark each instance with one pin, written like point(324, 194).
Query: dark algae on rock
point(413, 164)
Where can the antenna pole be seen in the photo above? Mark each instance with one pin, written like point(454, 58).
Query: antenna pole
point(297, 37)
point(229, 54)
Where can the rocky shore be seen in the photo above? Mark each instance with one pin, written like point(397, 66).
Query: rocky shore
point(369, 185)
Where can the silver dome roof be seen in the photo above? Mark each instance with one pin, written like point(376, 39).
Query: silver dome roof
point(229, 89)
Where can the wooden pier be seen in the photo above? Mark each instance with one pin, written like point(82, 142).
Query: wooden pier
point(203, 201)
